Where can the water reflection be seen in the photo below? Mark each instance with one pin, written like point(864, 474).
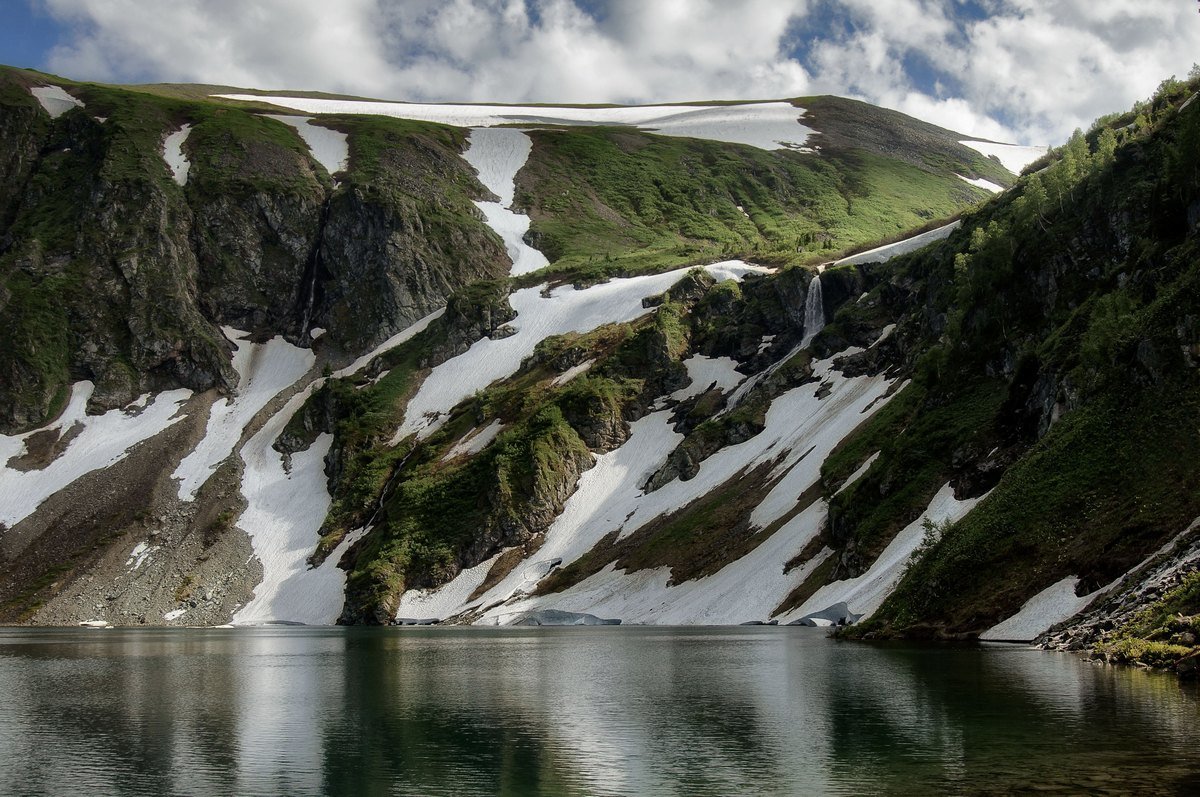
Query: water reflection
point(587, 711)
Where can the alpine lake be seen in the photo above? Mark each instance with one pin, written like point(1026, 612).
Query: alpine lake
point(617, 710)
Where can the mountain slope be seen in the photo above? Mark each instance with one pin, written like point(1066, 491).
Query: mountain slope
point(342, 360)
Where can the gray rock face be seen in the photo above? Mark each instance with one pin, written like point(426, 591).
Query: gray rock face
point(558, 617)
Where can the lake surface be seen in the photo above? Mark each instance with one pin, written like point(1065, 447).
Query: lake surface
point(574, 711)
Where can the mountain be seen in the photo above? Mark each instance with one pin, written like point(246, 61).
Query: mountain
point(271, 356)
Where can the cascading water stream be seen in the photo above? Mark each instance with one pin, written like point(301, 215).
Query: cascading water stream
point(814, 311)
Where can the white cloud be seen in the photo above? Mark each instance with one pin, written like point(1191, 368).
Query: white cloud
point(1030, 71)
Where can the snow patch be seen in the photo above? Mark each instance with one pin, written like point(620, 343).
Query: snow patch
point(572, 372)
point(706, 372)
point(858, 474)
point(102, 440)
point(881, 254)
point(864, 594)
point(174, 614)
point(283, 516)
point(328, 147)
point(1013, 157)
point(1052, 605)
point(564, 310)
point(138, 556)
point(177, 162)
point(498, 154)
point(55, 100)
point(476, 442)
point(766, 125)
point(979, 182)
point(400, 337)
point(264, 369)
point(442, 602)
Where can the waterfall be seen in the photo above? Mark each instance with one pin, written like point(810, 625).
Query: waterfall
point(814, 311)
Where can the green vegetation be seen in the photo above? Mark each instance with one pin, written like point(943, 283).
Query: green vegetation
point(1162, 633)
point(610, 201)
point(1077, 287)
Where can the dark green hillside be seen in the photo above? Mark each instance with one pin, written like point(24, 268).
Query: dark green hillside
point(1062, 320)
point(608, 201)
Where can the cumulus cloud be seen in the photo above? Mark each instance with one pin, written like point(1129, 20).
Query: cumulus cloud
point(1018, 70)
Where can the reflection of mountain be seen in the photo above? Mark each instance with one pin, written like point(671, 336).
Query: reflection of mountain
point(622, 711)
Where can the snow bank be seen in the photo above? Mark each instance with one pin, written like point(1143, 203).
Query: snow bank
point(1052, 605)
point(800, 431)
point(498, 154)
point(177, 162)
point(865, 593)
point(328, 147)
point(443, 602)
point(100, 441)
point(55, 100)
point(858, 474)
point(1013, 157)
point(706, 372)
point(979, 182)
point(572, 372)
point(476, 442)
point(264, 369)
point(564, 310)
point(886, 252)
point(283, 516)
point(403, 336)
point(766, 125)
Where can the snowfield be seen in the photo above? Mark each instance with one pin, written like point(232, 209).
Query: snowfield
point(498, 154)
point(564, 310)
point(801, 429)
point(979, 182)
point(1052, 605)
point(328, 147)
point(96, 442)
point(766, 125)
point(882, 254)
point(177, 162)
point(264, 369)
point(55, 100)
point(1013, 157)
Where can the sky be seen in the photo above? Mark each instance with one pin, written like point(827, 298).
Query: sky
point(1020, 71)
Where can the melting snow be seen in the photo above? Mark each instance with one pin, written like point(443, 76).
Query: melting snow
point(858, 474)
point(283, 517)
point(174, 614)
point(538, 317)
point(328, 147)
point(263, 371)
point(498, 154)
point(800, 430)
point(886, 252)
point(55, 100)
point(442, 602)
point(766, 125)
point(572, 372)
point(138, 556)
point(865, 593)
point(476, 442)
point(705, 371)
point(1052, 605)
point(1013, 157)
point(102, 441)
point(979, 182)
point(177, 162)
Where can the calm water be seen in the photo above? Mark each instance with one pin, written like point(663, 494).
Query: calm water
point(589, 711)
